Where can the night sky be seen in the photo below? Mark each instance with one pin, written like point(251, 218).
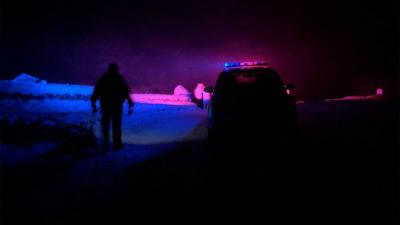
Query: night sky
point(325, 48)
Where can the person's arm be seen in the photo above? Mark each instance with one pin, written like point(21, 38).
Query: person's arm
point(128, 95)
point(95, 96)
point(129, 99)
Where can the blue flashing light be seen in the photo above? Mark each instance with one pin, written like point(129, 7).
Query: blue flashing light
point(231, 64)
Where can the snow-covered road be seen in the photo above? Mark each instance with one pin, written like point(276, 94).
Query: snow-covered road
point(64, 171)
point(52, 170)
point(144, 137)
point(165, 127)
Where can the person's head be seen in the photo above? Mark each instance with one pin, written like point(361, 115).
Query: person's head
point(113, 68)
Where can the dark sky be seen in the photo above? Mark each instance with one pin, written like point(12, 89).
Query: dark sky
point(327, 49)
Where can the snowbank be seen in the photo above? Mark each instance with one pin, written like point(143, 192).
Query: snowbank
point(36, 89)
point(26, 78)
point(356, 98)
point(48, 91)
point(162, 99)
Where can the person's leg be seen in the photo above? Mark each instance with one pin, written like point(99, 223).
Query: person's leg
point(105, 124)
point(116, 127)
point(200, 103)
point(205, 104)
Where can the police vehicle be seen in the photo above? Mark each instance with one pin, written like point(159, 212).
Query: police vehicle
point(250, 102)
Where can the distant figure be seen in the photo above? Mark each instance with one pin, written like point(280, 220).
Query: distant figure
point(112, 89)
point(198, 94)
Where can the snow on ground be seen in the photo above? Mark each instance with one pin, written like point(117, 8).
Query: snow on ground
point(53, 125)
point(152, 130)
point(356, 98)
point(44, 88)
point(63, 110)
point(144, 136)
point(53, 167)
point(44, 122)
point(149, 124)
point(55, 107)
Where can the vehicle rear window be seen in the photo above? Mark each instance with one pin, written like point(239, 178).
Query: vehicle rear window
point(262, 78)
point(245, 78)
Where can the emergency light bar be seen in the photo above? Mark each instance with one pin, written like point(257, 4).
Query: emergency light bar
point(245, 65)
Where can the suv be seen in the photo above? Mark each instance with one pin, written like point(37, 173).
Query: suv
point(251, 103)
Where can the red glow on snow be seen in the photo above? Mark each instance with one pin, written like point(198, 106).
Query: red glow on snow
point(379, 91)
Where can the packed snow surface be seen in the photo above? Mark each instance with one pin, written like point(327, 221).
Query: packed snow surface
point(66, 109)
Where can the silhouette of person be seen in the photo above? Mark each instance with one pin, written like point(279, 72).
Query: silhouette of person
point(198, 94)
point(113, 90)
